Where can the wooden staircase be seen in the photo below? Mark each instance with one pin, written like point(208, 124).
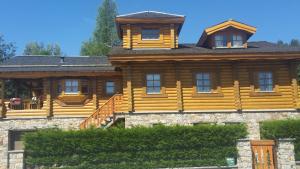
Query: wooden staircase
point(104, 114)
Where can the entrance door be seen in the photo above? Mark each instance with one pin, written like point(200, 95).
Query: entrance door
point(263, 154)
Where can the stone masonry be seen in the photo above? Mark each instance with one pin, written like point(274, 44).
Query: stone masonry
point(251, 119)
point(286, 154)
point(244, 160)
point(16, 159)
point(13, 159)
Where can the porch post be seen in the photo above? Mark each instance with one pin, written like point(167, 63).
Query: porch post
point(48, 92)
point(178, 88)
point(2, 104)
point(129, 88)
point(94, 94)
point(294, 83)
point(236, 86)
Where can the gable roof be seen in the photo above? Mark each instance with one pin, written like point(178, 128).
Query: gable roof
point(150, 14)
point(224, 25)
point(54, 64)
point(149, 17)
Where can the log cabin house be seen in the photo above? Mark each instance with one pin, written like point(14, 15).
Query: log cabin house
point(152, 78)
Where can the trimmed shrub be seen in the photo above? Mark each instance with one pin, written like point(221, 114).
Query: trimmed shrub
point(282, 129)
point(140, 147)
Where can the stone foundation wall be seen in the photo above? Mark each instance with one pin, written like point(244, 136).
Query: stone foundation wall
point(252, 119)
point(16, 159)
point(12, 159)
point(286, 154)
point(244, 160)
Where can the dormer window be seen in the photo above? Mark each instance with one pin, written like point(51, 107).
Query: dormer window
point(150, 34)
point(237, 41)
point(220, 41)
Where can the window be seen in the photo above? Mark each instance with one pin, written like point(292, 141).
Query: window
point(203, 82)
point(150, 34)
point(265, 80)
point(84, 86)
point(220, 41)
point(71, 87)
point(237, 41)
point(110, 88)
point(59, 87)
point(15, 139)
point(153, 83)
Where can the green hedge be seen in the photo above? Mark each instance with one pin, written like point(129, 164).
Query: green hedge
point(140, 147)
point(282, 129)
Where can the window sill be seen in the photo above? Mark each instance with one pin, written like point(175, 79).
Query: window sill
point(274, 93)
point(207, 95)
point(155, 96)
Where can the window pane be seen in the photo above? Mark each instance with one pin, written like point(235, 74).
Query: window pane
point(156, 89)
point(150, 77)
point(150, 34)
point(150, 83)
point(156, 83)
point(156, 77)
point(220, 41)
point(110, 87)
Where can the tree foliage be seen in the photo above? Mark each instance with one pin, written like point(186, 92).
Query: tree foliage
point(105, 34)
point(35, 48)
point(7, 49)
point(282, 129)
point(293, 43)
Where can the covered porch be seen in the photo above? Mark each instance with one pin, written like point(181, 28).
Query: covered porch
point(23, 97)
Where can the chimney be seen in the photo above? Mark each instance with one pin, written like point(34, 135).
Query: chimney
point(62, 59)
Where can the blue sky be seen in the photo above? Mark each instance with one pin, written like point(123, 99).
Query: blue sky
point(69, 22)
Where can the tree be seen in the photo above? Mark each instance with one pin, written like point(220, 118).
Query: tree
point(35, 48)
point(105, 34)
point(281, 43)
point(295, 43)
point(7, 49)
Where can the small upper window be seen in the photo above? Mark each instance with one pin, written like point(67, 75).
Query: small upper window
point(153, 83)
point(265, 80)
point(220, 41)
point(237, 41)
point(110, 88)
point(150, 34)
point(71, 86)
point(203, 82)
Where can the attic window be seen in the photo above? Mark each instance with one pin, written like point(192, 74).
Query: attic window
point(150, 34)
point(220, 41)
point(237, 41)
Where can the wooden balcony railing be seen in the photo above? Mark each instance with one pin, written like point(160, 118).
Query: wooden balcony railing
point(107, 110)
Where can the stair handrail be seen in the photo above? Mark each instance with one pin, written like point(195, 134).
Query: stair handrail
point(109, 105)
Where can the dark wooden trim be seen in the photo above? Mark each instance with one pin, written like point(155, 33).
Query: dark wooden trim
point(254, 86)
point(216, 90)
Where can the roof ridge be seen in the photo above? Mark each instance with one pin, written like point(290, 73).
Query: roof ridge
point(149, 11)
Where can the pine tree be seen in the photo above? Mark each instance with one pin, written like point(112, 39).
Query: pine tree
point(105, 34)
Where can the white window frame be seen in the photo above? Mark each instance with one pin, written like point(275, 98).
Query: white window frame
point(72, 86)
point(149, 33)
